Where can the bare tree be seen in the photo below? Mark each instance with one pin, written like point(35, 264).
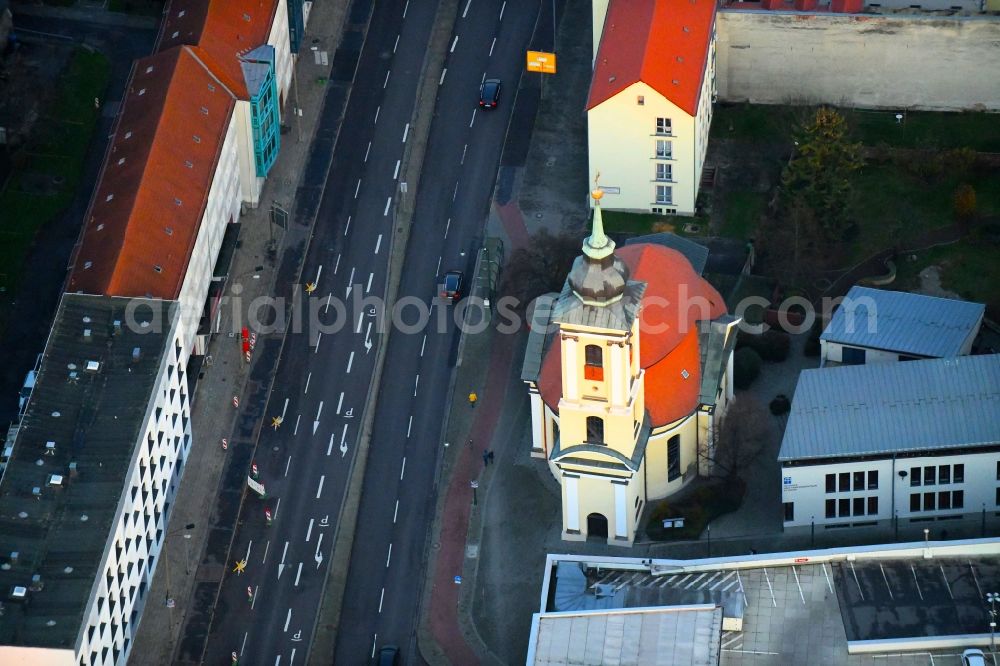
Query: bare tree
point(740, 436)
point(540, 267)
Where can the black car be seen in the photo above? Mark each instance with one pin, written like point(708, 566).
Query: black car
point(388, 656)
point(489, 94)
point(450, 287)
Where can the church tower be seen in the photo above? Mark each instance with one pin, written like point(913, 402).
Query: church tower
point(602, 428)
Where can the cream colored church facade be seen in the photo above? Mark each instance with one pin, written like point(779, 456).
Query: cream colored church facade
point(626, 376)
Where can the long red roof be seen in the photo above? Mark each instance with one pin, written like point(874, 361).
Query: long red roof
point(148, 204)
point(663, 43)
point(223, 29)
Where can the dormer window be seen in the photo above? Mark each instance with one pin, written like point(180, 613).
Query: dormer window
point(594, 368)
point(595, 430)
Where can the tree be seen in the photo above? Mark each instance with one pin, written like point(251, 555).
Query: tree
point(818, 176)
point(964, 203)
point(540, 267)
point(741, 435)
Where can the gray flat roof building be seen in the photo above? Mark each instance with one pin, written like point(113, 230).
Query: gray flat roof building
point(910, 324)
point(73, 454)
point(885, 408)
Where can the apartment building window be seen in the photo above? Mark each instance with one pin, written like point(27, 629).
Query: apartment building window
point(595, 430)
point(664, 194)
point(845, 482)
point(998, 497)
point(859, 506)
point(843, 507)
point(944, 474)
point(958, 474)
point(664, 171)
point(790, 509)
point(929, 476)
point(831, 508)
point(915, 476)
point(664, 149)
point(859, 481)
point(940, 475)
point(664, 126)
point(594, 367)
point(873, 480)
point(674, 458)
point(831, 483)
point(873, 505)
point(640, 100)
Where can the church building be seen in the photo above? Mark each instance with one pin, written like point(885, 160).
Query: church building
point(627, 372)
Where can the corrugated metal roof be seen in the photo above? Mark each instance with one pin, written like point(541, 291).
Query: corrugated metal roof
point(893, 407)
point(653, 637)
point(902, 322)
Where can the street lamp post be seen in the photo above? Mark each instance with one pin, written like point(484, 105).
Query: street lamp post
point(474, 485)
point(992, 598)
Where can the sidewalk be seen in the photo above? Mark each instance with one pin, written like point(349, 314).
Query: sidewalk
point(194, 567)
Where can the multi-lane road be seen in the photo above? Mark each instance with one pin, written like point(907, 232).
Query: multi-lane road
point(267, 615)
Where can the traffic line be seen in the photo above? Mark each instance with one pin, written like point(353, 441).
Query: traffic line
point(402, 471)
point(348, 227)
point(454, 43)
point(503, 7)
point(340, 402)
point(395, 173)
point(329, 297)
point(466, 10)
point(405, 7)
point(244, 644)
point(329, 447)
point(378, 242)
point(277, 505)
point(249, 546)
point(288, 620)
point(361, 316)
point(438, 272)
point(368, 150)
point(350, 283)
point(406, 131)
point(309, 530)
point(447, 226)
point(284, 409)
point(409, 426)
point(254, 599)
point(395, 512)
point(319, 336)
point(357, 188)
point(337, 265)
point(396, 45)
point(266, 547)
point(287, 465)
point(422, 345)
point(388, 557)
point(297, 575)
point(319, 491)
point(473, 118)
point(350, 362)
point(385, 213)
point(369, 286)
point(464, 150)
point(376, 113)
point(454, 194)
point(297, 419)
point(493, 45)
point(308, 379)
point(416, 385)
point(380, 600)
point(386, 82)
point(443, 72)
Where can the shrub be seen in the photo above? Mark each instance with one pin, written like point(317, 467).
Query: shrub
point(964, 202)
point(703, 505)
point(772, 345)
point(780, 405)
point(746, 367)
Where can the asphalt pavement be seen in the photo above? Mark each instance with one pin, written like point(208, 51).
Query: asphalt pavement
point(267, 614)
point(397, 507)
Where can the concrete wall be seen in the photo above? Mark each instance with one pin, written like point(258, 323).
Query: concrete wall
point(919, 62)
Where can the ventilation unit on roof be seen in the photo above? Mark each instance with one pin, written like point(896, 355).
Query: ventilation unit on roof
point(117, 323)
point(93, 366)
point(149, 70)
point(37, 492)
point(136, 354)
point(72, 469)
point(55, 480)
point(50, 448)
point(18, 593)
point(86, 334)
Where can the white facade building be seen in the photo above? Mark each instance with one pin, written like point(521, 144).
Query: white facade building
point(85, 500)
point(893, 443)
point(650, 105)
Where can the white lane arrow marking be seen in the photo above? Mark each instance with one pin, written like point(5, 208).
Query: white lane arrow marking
point(281, 565)
point(319, 556)
point(368, 338)
point(343, 442)
point(316, 420)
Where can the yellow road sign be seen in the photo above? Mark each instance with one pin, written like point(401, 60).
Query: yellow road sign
point(540, 61)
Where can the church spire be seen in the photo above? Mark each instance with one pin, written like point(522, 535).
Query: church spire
point(598, 277)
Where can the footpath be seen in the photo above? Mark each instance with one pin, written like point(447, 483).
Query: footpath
point(177, 617)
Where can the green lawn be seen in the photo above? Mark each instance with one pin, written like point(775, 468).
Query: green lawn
point(761, 123)
point(742, 213)
point(639, 224)
point(970, 268)
point(48, 170)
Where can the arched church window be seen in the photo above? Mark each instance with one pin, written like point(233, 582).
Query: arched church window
point(594, 368)
point(595, 430)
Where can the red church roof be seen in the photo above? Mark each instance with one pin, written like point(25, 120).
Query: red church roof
point(675, 300)
point(663, 43)
point(148, 204)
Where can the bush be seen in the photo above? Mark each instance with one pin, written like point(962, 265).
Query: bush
point(772, 345)
point(746, 367)
point(706, 503)
point(780, 405)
